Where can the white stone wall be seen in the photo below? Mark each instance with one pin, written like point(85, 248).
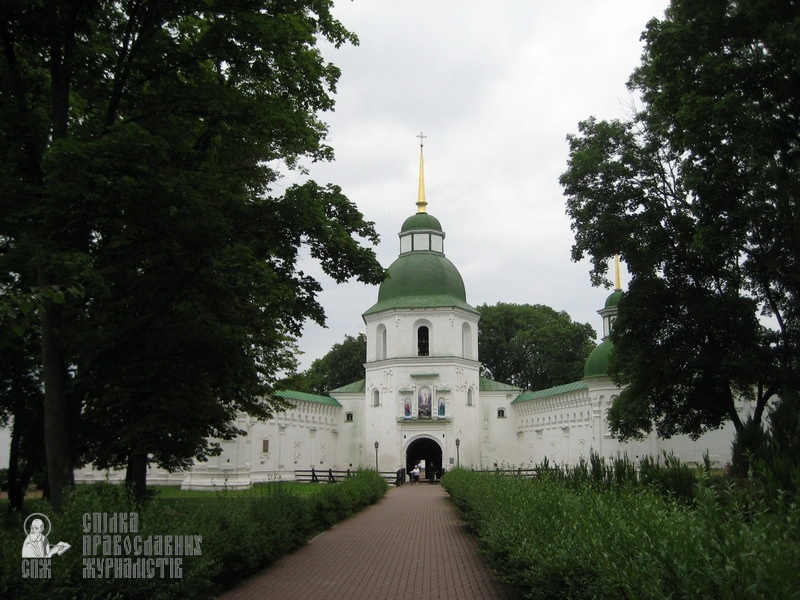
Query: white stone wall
point(567, 427)
point(564, 428)
point(499, 443)
point(5, 446)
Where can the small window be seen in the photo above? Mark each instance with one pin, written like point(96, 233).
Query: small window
point(264, 446)
point(469, 397)
point(423, 339)
point(422, 241)
point(376, 398)
point(348, 417)
point(501, 413)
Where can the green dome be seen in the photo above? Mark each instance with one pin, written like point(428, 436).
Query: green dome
point(421, 280)
point(613, 300)
point(421, 221)
point(597, 363)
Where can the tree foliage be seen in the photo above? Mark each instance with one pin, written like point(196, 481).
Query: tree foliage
point(343, 364)
point(532, 346)
point(141, 142)
point(698, 193)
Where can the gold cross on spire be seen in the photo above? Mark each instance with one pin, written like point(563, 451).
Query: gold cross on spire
point(421, 202)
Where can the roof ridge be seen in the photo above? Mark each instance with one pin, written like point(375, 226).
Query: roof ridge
point(307, 397)
point(551, 391)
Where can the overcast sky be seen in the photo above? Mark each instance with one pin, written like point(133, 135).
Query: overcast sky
point(495, 87)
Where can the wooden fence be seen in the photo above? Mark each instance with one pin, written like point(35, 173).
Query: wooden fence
point(314, 475)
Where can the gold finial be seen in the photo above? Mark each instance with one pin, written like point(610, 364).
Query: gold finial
point(421, 202)
point(617, 278)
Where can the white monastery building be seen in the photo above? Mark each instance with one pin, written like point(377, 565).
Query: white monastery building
point(423, 399)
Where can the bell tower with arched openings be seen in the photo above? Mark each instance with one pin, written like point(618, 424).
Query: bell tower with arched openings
point(422, 370)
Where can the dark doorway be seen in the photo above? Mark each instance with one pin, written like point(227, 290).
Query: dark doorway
point(424, 449)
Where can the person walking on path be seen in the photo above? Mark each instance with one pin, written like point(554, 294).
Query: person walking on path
point(411, 544)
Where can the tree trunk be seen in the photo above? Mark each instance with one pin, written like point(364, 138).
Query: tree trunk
point(730, 407)
point(136, 474)
point(57, 421)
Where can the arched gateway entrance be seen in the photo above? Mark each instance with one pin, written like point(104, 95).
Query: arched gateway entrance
point(426, 451)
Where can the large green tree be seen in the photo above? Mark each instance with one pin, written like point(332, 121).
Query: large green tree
point(532, 346)
point(699, 194)
point(141, 140)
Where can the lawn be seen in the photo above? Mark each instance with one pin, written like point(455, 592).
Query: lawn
point(168, 492)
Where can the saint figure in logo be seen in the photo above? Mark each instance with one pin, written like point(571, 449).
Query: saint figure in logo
point(37, 545)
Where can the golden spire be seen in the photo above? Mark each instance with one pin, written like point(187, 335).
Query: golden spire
point(617, 278)
point(421, 202)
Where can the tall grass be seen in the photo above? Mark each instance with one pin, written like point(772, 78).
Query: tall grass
point(562, 537)
point(241, 533)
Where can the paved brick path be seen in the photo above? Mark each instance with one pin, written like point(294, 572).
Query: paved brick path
point(410, 545)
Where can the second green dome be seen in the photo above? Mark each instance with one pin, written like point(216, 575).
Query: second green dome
point(596, 364)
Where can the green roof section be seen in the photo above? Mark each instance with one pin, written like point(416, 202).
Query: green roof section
point(359, 386)
point(489, 385)
point(422, 279)
point(550, 392)
point(421, 221)
point(613, 300)
point(596, 364)
point(306, 397)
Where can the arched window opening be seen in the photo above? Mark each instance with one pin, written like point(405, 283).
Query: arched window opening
point(423, 341)
point(470, 399)
point(348, 417)
point(376, 398)
point(381, 349)
point(501, 413)
point(466, 341)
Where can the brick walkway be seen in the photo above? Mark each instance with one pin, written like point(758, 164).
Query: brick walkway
point(410, 545)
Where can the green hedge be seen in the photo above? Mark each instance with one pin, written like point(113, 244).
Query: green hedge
point(241, 534)
point(551, 538)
